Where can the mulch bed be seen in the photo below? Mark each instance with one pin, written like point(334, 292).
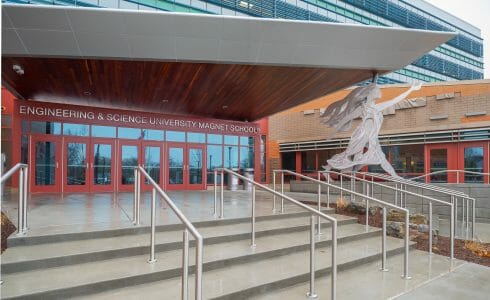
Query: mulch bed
point(440, 244)
point(7, 229)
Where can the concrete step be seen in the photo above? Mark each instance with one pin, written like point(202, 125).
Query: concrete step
point(99, 276)
point(245, 281)
point(56, 254)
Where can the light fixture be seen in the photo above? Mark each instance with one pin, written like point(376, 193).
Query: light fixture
point(164, 101)
point(18, 69)
point(87, 93)
point(224, 107)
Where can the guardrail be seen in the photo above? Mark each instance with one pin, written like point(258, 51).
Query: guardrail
point(430, 199)
point(311, 294)
point(138, 171)
point(23, 189)
point(455, 195)
point(367, 198)
point(424, 176)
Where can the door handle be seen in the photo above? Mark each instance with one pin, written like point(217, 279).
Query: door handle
point(56, 165)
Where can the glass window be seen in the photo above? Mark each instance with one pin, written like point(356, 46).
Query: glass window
point(263, 161)
point(438, 162)
point(76, 129)
point(45, 127)
point(25, 126)
point(214, 160)
point(175, 136)
point(308, 161)
point(195, 137)
point(76, 171)
point(377, 168)
point(153, 134)
point(129, 160)
point(215, 139)
point(288, 161)
point(324, 155)
point(6, 121)
point(263, 139)
point(407, 160)
point(103, 131)
point(128, 133)
point(231, 157)
point(246, 157)
point(231, 140)
point(473, 162)
point(24, 148)
point(246, 141)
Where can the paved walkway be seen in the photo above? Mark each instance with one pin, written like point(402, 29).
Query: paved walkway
point(56, 213)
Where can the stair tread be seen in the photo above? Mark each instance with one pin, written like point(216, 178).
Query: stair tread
point(75, 275)
point(52, 250)
point(241, 277)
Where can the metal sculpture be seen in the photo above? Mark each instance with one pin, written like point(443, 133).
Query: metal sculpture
point(364, 148)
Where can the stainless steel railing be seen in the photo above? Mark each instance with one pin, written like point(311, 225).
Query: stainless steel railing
point(311, 293)
point(367, 197)
point(138, 171)
point(23, 189)
point(429, 199)
point(424, 176)
point(454, 197)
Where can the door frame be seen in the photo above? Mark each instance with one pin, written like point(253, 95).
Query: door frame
point(145, 143)
point(58, 183)
point(461, 148)
point(122, 142)
point(202, 185)
point(180, 186)
point(114, 165)
point(76, 188)
point(452, 164)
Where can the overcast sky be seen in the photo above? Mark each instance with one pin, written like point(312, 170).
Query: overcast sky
point(475, 12)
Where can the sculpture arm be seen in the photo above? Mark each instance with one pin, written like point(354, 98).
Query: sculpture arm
point(397, 99)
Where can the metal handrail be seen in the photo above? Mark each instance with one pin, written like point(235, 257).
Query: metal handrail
point(367, 199)
point(188, 227)
point(313, 212)
point(23, 189)
point(430, 199)
point(450, 171)
point(453, 193)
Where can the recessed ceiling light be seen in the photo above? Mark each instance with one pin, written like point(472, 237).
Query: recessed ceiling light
point(224, 107)
point(87, 93)
point(164, 101)
point(18, 69)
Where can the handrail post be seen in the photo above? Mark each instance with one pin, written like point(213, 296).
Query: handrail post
point(222, 191)
point(253, 217)
point(311, 294)
point(383, 243)
point(282, 192)
point(26, 187)
point(341, 188)
point(198, 275)
point(185, 265)
point(451, 234)
point(20, 221)
point(367, 213)
point(396, 194)
point(153, 217)
point(328, 190)
point(274, 188)
point(138, 202)
point(319, 204)
point(430, 227)
point(135, 196)
point(215, 192)
point(473, 220)
point(454, 200)
point(333, 279)
point(407, 238)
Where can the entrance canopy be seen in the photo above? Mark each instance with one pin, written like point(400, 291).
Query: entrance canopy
point(203, 65)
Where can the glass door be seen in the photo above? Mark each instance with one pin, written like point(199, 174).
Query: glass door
point(102, 165)
point(46, 171)
point(195, 167)
point(175, 168)
point(152, 162)
point(129, 159)
point(75, 165)
point(473, 157)
point(440, 159)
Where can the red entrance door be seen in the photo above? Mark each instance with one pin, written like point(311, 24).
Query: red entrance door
point(185, 166)
point(76, 164)
point(152, 158)
point(473, 157)
point(441, 157)
point(129, 158)
point(46, 158)
point(102, 165)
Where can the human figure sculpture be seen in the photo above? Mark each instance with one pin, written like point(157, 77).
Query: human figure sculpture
point(364, 148)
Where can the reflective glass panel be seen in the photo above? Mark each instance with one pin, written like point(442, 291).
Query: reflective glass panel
point(75, 129)
point(214, 160)
point(215, 139)
point(175, 136)
point(103, 131)
point(76, 168)
point(246, 157)
point(473, 161)
point(231, 140)
point(308, 161)
point(6, 121)
point(152, 134)
point(25, 126)
point(438, 162)
point(195, 166)
point(176, 165)
point(288, 161)
point(129, 133)
point(231, 157)
point(45, 127)
point(195, 137)
point(407, 160)
point(246, 141)
point(45, 160)
point(129, 160)
point(102, 164)
point(152, 163)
